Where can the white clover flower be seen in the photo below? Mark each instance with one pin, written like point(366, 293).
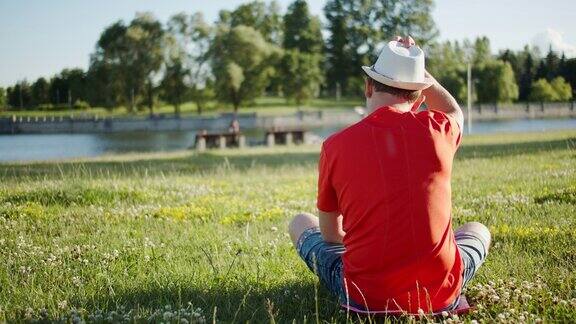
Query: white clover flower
point(420, 312)
point(445, 314)
point(526, 297)
point(63, 304)
point(76, 281)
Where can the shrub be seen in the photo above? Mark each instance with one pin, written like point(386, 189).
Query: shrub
point(81, 104)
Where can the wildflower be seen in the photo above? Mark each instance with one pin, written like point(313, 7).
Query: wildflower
point(76, 281)
point(63, 304)
point(526, 297)
point(29, 313)
point(274, 229)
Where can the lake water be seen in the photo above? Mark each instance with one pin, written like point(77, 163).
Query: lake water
point(62, 146)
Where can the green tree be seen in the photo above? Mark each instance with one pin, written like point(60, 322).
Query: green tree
point(446, 62)
point(301, 65)
point(542, 91)
point(20, 95)
point(3, 101)
point(190, 37)
point(174, 89)
point(562, 89)
point(264, 18)
point(242, 62)
point(497, 83)
point(302, 31)
point(302, 75)
point(134, 55)
point(568, 72)
point(358, 27)
point(40, 92)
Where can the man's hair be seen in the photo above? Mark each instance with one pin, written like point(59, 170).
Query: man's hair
point(408, 95)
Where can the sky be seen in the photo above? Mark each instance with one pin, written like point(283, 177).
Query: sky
point(40, 38)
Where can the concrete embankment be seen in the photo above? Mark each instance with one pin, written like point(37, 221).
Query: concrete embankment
point(95, 124)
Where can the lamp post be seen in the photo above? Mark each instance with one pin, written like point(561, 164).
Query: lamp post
point(469, 97)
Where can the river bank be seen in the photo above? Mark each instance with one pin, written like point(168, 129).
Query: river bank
point(86, 124)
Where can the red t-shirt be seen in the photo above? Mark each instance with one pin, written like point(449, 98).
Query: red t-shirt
point(389, 176)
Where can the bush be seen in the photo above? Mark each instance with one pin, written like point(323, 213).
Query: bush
point(81, 104)
point(46, 106)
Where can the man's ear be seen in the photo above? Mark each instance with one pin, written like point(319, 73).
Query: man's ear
point(368, 89)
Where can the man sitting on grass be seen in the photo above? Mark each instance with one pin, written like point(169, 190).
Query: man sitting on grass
point(383, 240)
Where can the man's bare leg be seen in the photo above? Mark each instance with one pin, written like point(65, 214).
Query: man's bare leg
point(299, 224)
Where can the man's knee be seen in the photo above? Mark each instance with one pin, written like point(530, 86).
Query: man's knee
point(477, 229)
point(300, 223)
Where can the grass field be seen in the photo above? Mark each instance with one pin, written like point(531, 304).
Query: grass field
point(202, 237)
point(263, 106)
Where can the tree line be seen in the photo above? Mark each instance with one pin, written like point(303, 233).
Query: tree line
point(255, 49)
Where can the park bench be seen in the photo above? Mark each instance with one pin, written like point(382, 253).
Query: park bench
point(205, 140)
point(285, 136)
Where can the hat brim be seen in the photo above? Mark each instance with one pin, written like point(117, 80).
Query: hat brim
point(398, 84)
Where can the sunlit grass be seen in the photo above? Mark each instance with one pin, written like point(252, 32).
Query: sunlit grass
point(263, 106)
point(162, 237)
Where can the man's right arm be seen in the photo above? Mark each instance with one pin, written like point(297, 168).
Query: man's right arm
point(439, 99)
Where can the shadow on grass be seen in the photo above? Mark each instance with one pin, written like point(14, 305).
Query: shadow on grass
point(285, 303)
point(210, 162)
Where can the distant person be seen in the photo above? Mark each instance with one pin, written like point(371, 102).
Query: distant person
point(383, 240)
point(234, 127)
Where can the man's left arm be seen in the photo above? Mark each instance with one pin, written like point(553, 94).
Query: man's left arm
point(331, 227)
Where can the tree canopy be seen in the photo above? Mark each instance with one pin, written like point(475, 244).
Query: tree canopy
point(256, 49)
point(242, 61)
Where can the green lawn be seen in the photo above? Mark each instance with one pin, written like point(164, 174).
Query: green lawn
point(263, 106)
point(161, 237)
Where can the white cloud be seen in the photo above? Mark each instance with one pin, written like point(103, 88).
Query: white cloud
point(554, 38)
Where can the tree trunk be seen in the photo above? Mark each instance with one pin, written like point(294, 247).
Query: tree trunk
point(150, 98)
point(177, 110)
point(199, 107)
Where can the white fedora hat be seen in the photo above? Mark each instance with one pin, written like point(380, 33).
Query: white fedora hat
point(400, 67)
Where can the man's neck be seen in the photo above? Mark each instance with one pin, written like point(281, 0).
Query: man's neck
point(379, 99)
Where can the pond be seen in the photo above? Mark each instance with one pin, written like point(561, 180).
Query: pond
point(63, 146)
